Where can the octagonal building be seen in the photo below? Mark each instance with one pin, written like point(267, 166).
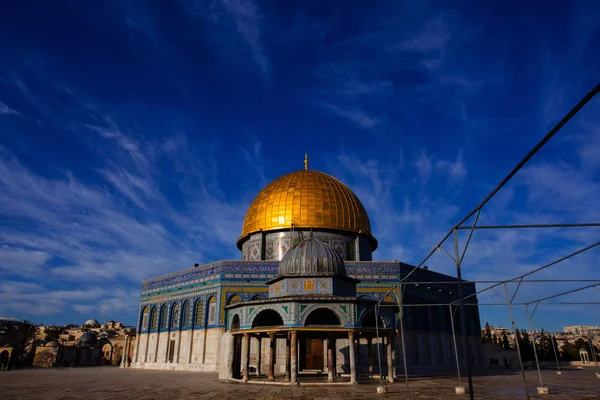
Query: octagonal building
point(301, 299)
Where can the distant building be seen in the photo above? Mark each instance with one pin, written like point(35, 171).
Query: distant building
point(90, 343)
point(582, 330)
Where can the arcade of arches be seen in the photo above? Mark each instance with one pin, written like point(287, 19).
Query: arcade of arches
point(310, 349)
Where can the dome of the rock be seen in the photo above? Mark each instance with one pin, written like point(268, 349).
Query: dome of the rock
point(306, 199)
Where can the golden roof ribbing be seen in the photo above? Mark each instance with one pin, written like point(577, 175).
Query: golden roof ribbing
point(308, 199)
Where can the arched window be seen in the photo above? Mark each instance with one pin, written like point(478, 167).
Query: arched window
point(187, 314)
point(164, 317)
point(175, 316)
point(154, 318)
point(322, 316)
point(368, 320)
point(212, 310)
point(235, 299)
point(199, 320)
point(235, 322)
point(145, 319)
point(258, 297)
point(267, 318)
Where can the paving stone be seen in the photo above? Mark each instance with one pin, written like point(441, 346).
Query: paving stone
point(128, 384)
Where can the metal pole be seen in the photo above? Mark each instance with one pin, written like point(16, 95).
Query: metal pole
point(401, 304)
point(537, 270)
point(593, 351)
point(455, 346)
point(589, 96)
point(555, 353)
point(537, 362)
point(514, 326)
point(463, 321)
point(378, 347)
point(529, 226)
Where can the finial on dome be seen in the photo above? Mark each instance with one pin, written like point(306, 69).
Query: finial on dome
point(306, 160)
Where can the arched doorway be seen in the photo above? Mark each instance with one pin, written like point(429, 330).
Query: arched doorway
point(312, 348)
point(235, 322)
point(106, 353)
point(4, 357)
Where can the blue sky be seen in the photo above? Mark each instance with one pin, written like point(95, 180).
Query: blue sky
point(133, 138)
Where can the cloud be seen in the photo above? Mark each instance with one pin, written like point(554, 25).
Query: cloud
point(255, 160)
point(426, 165)
point(455, 170)
point(93, 233)
point(243, 15)
point(246, 15)
point(432, 38)
point(21, 261)
point(6, 110)
point(356, 116)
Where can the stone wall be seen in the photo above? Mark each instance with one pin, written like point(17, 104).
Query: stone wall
point(195, 350)
point(45, 357)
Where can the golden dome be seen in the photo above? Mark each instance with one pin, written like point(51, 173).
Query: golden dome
point(308, 199)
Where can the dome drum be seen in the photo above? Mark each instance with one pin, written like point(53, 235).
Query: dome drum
point(272, 245)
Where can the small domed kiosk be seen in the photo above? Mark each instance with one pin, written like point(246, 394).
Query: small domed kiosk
point(312, 305)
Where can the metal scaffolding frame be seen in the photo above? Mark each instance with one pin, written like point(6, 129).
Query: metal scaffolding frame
point(458, 258)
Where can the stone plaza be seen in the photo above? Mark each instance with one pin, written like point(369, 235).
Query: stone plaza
point(107, 382)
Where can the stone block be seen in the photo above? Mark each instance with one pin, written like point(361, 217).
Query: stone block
point(543, 390)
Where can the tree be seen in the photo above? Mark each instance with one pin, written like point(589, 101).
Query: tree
point(505, 343)
point(487, 334)
point(52, 334)
point(569, 352)
point(495, 339)
point(544, 347)
point(20, 335)
point(525, 345)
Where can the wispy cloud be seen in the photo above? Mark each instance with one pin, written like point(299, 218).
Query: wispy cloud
point(356, 116)
point(247, 16)
point(254, 158)
point(433, 37)
point(426, 165)
point(27, 263)
point(6, 110)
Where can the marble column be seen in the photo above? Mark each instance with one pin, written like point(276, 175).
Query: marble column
point(231, 357)
point(330, 358)
point(245, 357)
point(390, 360)
point(287, 359)
point(272, 343)
point(124, 353)
point(294, 358)
point(352, 349)
point(370, 355)
point(128, 349)
point(258, 355)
